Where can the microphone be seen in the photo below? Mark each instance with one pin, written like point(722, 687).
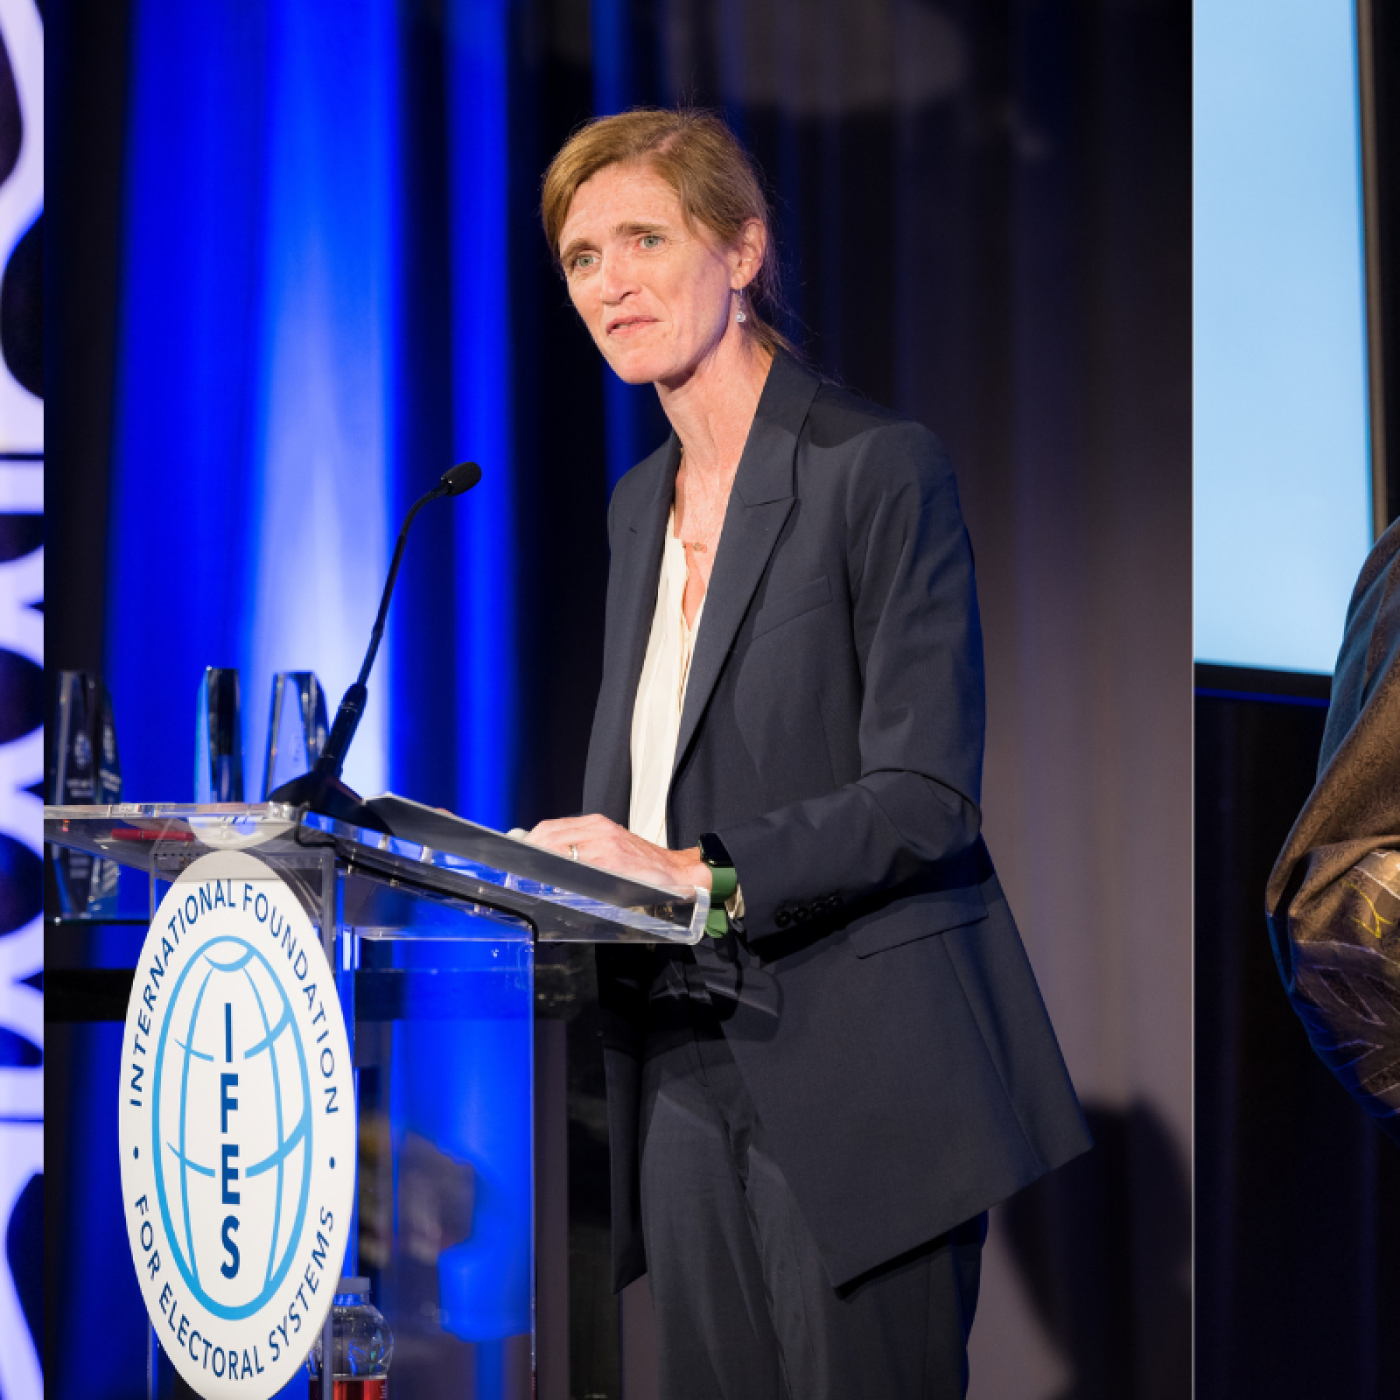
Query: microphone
point(321, 789)
point(456, 481)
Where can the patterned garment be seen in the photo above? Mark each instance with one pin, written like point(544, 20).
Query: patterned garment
point(1333, 899)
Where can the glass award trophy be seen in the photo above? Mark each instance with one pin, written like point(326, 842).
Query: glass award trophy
point(296, 729)
point(86, 771)
point(218, 760)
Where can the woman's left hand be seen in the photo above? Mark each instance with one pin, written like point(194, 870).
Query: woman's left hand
point(602, 842)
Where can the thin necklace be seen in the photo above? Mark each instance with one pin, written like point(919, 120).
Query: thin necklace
point(702, 545)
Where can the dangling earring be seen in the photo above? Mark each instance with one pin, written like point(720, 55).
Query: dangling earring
point(740, 315)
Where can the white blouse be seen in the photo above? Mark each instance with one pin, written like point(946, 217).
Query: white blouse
point(656, 716)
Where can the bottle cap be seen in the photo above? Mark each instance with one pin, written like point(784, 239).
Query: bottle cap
point(353, 1285)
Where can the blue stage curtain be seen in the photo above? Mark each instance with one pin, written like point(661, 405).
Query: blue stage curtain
point(259, 471)
point(480, 291)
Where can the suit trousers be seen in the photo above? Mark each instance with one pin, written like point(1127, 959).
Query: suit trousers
point(744, 1307)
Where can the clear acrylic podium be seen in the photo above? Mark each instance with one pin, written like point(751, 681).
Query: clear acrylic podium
point(431, 934)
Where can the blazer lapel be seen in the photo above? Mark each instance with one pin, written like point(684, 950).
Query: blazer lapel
point(759, 506)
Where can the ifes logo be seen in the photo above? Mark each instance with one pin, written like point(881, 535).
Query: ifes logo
point(237, 1128)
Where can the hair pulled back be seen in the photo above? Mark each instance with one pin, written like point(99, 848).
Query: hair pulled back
point(713, 176)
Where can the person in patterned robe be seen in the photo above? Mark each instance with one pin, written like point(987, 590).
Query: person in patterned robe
point(1333, 899)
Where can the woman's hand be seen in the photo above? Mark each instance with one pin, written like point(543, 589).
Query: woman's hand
point(601, 842)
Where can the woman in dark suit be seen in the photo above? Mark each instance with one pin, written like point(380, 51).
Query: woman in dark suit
point(812, 1111)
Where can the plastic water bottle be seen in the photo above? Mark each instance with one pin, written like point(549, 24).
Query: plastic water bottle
point(361, 1346)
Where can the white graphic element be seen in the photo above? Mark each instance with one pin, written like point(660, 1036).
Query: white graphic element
point(21, 485)
point(21, 590)
point(21, 763)
point(21, 1159)
point(21, 201)
point(237, 1128)
point(21, 812)
point(21, 1011)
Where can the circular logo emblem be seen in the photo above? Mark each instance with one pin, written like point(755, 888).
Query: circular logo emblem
point(237, 1128)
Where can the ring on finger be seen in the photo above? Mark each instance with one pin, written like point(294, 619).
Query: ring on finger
point(573, 851)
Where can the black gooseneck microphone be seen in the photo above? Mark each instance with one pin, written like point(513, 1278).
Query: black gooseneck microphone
point(321, 789)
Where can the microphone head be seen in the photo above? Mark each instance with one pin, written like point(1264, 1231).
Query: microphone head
point(460, 478)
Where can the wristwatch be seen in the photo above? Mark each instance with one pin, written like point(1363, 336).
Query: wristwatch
point(723, 882)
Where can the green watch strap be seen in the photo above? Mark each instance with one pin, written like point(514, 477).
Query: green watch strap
point(717, 924)
point(723, 882)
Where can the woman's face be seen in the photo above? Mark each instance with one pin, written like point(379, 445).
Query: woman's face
point(656, 294)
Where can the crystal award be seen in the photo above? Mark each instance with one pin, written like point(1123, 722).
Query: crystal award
point(296, 729)
point(86, 770)
point(218, 758)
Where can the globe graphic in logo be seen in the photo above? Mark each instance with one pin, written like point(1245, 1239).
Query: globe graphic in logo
point(231, 1128)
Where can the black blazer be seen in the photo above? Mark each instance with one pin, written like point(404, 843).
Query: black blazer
point(878, 1001)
